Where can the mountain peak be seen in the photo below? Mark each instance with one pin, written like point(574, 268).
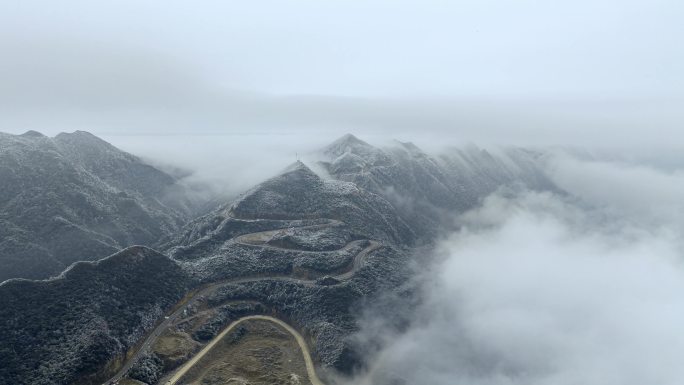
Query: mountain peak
point(32, 134)
point(348, 140)
point(281, 196)
point(297, 165)
point(87, 147)
point(78, 134)
point(348, 143)
point(83, 138)
point(297, 171)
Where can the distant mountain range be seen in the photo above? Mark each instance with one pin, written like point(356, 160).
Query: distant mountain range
point(423, 188)
point(75, 197)
point(308, 245)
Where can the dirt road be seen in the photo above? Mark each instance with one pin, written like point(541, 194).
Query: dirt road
point(310, 370)
point(357, 263)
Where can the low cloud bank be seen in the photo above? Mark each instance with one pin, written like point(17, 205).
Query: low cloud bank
point(584, 288)
point(648, 195)
point(224, 165)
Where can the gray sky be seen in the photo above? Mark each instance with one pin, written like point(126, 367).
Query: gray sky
point(493, 70)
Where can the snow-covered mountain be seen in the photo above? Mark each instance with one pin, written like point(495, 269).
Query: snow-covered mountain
point(76, 197)
point(306, 246)
point(427, 190)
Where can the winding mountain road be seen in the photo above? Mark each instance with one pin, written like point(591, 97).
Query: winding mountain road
point(253, 239)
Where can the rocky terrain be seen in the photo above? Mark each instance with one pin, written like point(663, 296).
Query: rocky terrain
point(307, 249)
point(75, 197)
point(427, 190)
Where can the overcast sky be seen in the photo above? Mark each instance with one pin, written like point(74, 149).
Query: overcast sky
point(504, 71)
point(257, 81)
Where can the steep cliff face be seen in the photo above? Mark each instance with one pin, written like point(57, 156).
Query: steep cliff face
point(76, 197)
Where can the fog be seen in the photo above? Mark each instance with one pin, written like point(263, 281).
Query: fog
point(232, 91)
point(221, 165)
point(643, 195)
point(579, 287)
point(527, 72)
point(540, 288)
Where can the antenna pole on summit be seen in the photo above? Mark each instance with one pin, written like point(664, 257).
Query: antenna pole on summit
point(297, 156)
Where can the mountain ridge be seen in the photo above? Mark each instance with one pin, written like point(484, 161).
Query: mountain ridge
point(102, 310)
point(76, 197)
point(308, 248)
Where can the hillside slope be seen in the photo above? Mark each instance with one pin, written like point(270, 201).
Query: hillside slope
point(296, 195)
point(307, 249)
point(64, 330)
point(76, 197)
point(428, 190)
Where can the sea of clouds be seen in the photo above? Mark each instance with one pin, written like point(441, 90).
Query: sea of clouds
point(582, 286)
